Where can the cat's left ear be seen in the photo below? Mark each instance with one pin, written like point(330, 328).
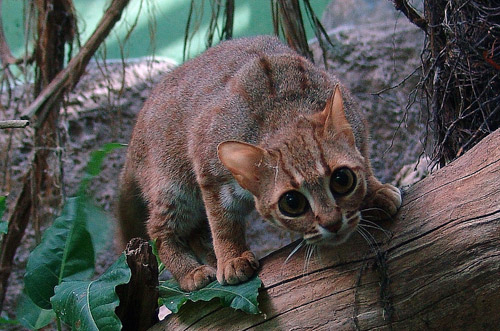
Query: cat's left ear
point(335, 119)
point(244, 161)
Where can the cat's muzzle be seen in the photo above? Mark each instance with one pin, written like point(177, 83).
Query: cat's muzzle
point(336, 233)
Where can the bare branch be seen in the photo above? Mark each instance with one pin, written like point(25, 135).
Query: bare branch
point(14, 124)
point(293, 26)
point(68, 77)
point(411, 13)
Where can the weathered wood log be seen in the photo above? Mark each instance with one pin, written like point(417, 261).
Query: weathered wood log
point(439, 270)
point(138, 309)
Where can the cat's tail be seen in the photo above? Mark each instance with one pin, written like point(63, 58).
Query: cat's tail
point(132, 212)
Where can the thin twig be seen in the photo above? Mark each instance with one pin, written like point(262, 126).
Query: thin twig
point(411, 13)
point(14, 124)
point(68, 77)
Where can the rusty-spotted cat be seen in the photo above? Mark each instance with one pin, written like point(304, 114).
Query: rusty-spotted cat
point(248, 124)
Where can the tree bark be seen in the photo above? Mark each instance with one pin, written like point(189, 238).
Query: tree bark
point(293, 26)
point(139, 298)
point(439, 270)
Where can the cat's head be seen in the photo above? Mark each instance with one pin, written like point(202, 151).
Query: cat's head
point(310, 178)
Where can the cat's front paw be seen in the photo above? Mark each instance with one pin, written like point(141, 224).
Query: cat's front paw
point(238, 269)
point(385, 201)
point(197, 278)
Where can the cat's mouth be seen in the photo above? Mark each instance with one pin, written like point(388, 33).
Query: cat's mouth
point(334, 235)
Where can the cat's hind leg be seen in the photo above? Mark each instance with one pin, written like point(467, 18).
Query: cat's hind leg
point(132, 212)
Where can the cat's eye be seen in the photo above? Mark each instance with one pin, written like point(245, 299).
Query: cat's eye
point(293, 204)
point(343, 181)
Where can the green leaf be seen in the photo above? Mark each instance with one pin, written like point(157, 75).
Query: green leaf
point(31, 316)
point(4, 225)
point(242, 296)
point(65, 253)
point(98, 225)
point(90, 305)
point(5, 320)
point(2, 206)
point(161, 266)
point(94, 165)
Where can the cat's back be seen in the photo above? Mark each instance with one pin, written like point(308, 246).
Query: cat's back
point(210, 72)
point(189, 94)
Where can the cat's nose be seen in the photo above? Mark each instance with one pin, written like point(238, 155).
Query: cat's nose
point(331, 222)
point(333, 227)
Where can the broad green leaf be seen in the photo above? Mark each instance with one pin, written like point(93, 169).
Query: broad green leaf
point(4, 226)
point(94, 165)
point(90, 305)
point(161, 266)
point(98, 224)
point(67, 248)
point(242, 296)
point(31, 316)
point(2, 206)
point(65, 253)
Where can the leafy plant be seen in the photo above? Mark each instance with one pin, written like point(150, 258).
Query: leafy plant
point(30, 315)
point(57, 279)
point(242, 296)
point(90, 305)
point(60, 267)
point(65, 253)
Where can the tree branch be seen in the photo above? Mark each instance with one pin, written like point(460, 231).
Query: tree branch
point(14, 124)
point(68, 77)
point(293, 26)
point(411, 13)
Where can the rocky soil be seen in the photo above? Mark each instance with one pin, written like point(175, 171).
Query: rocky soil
point(375, 60)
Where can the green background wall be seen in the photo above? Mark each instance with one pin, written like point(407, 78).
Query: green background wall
point(252, 17)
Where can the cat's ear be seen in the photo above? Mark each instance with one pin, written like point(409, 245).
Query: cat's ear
point(244, 161)
point(335, 118)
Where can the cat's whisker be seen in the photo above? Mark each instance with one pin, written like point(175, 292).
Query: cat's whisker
point(372, 223)
point(369, 224)
point(375, 209)
point(369, 239)
point(295, 250)
point(361, 232)
point(309, 253)
point(276, 174)
point(370, 235)
point(306, 262)
point(318, 254)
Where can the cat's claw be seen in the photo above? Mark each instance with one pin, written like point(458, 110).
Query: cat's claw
point(197, 278)
point(237, 270)
point(388, 198)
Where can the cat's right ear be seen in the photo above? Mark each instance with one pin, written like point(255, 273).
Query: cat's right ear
point(334, 116)
point(244, 161)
